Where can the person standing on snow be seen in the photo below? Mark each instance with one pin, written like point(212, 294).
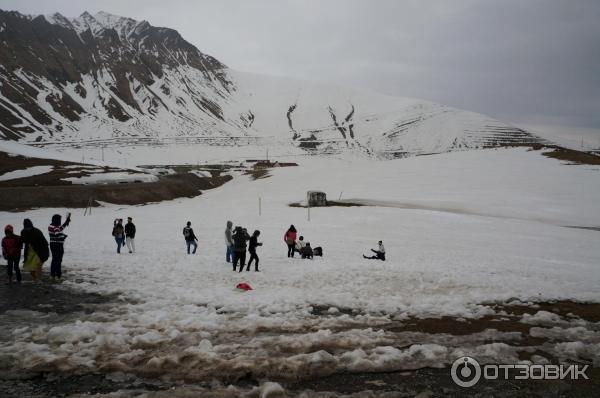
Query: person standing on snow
point(119, 233)
point(57, 243)
point(130, 235)
point(11, 251)
point(190, 237)
point(240, 236)
point(36, 249)
point(379, 253)
point(230, 253)
point(290, 239)
point(252, 245)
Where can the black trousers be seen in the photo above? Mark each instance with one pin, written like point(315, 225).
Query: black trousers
point(254, 257)
point(13, 263)
point(378, 255)
point(57, 250)
point(241, 257)
point(291, 249)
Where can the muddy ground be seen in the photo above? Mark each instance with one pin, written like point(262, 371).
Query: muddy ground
point(52, 190)
point(573, 156)
point(57, 304)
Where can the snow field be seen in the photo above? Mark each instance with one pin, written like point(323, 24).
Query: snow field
point(179, 316)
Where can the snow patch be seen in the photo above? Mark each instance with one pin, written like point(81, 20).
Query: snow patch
point(28, 172)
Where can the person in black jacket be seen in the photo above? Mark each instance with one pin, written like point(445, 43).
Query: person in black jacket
point(306, 251)
point(119, 233)
point(36, 249)
point(240, 236)
point(190, 237)
point(130, 235)
point(252, 245)
point(57, 242)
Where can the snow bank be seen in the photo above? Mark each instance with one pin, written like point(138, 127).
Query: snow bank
point(28, 172)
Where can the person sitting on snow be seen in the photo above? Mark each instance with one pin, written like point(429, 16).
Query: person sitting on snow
point(300, 244)
point(379, 254)
point(306, 251)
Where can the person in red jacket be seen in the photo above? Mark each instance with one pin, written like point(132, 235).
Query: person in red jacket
point(290, 239)
point(11, 251)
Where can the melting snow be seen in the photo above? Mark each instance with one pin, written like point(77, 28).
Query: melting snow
point(31, 171)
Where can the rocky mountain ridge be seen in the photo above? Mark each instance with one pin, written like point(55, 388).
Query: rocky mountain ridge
point(107, 78)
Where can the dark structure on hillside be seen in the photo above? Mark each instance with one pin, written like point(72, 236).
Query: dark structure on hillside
point(316, 198)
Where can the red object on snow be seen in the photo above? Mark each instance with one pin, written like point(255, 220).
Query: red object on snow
point(243, 286)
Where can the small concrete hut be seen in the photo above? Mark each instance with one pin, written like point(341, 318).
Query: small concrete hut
point(316, 198)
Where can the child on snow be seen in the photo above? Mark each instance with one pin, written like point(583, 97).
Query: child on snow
point(306, 251)
point(11, 251)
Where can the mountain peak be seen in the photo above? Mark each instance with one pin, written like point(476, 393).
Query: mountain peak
point(59, 19)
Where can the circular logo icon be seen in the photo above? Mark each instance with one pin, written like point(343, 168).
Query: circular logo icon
point(466, 372)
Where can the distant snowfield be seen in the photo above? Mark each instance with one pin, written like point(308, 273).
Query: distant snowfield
point(28, 172)
point(180, 313)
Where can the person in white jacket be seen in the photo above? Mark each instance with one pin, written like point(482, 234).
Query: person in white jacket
point(300, 244)
point(379, 253)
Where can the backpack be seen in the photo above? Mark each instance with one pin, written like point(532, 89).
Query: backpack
point(318, 251)
point(186, 232)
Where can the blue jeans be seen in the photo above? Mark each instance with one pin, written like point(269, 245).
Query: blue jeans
point(230, 254)
point(120, 242)
point(191, 243)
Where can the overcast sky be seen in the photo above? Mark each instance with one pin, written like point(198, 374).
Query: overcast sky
point(522, 61)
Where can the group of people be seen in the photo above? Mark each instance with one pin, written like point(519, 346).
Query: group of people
point(124, 235)
point(235, 241)
point(300, 246)
point(36, 249)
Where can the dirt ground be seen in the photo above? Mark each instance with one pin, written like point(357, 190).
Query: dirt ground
point(576, 157)
point(51, 190)
point(64, 304)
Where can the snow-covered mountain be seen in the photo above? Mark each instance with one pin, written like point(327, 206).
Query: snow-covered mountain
point(108, 79)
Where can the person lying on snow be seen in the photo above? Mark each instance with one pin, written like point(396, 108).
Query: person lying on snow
point(379, 253)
